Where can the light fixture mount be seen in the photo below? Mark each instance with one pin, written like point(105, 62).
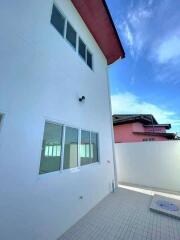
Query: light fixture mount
point(81, 99)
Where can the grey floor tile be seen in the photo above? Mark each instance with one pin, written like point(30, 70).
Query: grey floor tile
point(124, 215)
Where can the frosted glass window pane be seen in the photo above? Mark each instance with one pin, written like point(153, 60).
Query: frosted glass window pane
point(54, 151)
point(58, 151)
point(50, 160)
point(85, 146)
point(82, 151)
point(50, 150)
point(94, 147)
point(46, 151)
point(87, 150)
point(71, 148)
point(92, 150)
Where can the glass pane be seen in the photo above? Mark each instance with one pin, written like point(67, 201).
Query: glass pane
point(0, 118)
point(94, 147)
point(50, 150)
point(71, 148)
point(71, 35)
point(82, 49)
point(54, 151)
point(58, 151)
point(89, 59)
point(82, 151)
point(57, 20)
point(85, 148)
point(52, 140)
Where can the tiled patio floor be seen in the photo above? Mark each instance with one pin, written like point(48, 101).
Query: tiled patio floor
point(124, 215)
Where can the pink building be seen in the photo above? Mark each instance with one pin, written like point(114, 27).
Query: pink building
point(138, 128)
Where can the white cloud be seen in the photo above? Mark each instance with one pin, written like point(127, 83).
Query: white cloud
point(128, 103)
point(138, 20)
point(133, 28)
point(165, 53)
point(128, 34)
point(136, 16)
point(168, 49)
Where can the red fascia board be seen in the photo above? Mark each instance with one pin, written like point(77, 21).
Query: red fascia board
point(166, 126)
point(97, 18)
point(168, 135)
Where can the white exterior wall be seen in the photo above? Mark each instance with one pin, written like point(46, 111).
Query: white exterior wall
point(42, 78)
point(152, 164)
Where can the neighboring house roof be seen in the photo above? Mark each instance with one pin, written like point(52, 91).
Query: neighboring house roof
point(146, 119)
point(97, 17)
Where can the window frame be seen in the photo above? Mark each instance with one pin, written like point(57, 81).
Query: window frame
point(80, 145)
point(58, 124)
point(65, 19)
point(64, 139)
point(87, 50)
point(79, 38)
point(79, 166)
point(98, 146)
point(98, 150)
point(66, 26)
point(76, 49)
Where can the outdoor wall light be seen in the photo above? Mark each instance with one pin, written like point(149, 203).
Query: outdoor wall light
point(82, 99)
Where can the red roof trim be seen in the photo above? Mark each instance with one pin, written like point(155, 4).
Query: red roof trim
point(97, 17)
point(166, 126)
point(167, 135)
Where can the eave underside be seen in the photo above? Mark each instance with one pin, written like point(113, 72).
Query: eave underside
point(98, 20)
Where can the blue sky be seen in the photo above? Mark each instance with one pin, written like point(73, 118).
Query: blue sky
point(148, 79)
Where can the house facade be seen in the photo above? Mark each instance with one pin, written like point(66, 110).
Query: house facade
point(56, 148)
point(139, 128)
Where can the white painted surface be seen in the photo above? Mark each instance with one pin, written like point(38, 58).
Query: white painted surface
point(42, 78)
point(153, 164)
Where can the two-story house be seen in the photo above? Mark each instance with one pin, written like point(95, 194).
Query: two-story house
point(56, 144)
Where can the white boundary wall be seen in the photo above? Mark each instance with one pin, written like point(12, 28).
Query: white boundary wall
point(152, 164)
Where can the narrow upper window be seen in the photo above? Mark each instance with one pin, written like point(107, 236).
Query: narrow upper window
point(51, 148)
point(89, 59)
point(71, 35)
point(71, 148)
point(58, 20)
point(82, 49)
